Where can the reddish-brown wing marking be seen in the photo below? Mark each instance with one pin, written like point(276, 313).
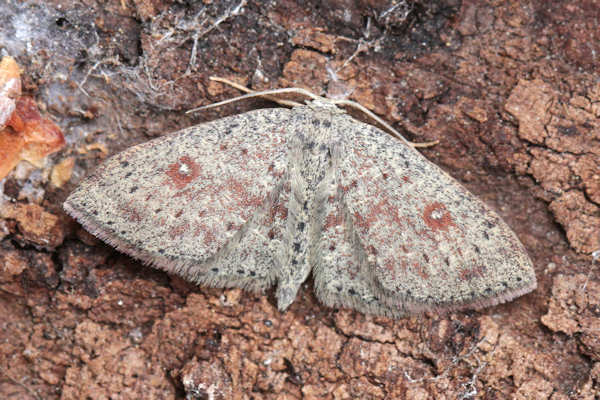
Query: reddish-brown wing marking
point(429, 243)
point(207, 203)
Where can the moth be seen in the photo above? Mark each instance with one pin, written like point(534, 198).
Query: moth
point(267, 197)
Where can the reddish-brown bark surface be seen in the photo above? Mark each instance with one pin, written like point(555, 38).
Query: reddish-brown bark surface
point(511, 91)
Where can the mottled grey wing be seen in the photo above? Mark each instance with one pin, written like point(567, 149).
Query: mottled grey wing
point(201, 202)
point(418, 240)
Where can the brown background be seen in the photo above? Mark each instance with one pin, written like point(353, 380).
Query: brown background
point(510, 89)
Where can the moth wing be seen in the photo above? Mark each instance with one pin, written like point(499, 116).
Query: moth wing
point(204, 202)
point(429, 243)
point(342, 274)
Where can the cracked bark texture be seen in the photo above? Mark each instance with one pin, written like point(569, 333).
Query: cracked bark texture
point(510, 90)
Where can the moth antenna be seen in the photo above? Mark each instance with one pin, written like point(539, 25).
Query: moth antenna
point(252, 93)
point(244, 89)
point(267, 94)
point(264, 94)
point(394, 132)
